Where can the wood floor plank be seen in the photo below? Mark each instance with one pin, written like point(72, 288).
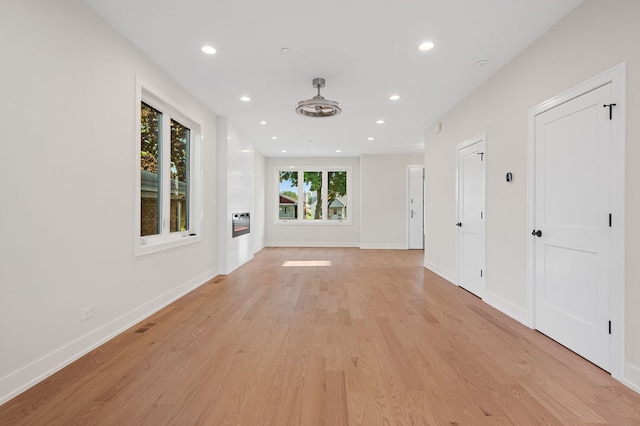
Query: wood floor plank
point(374, 338)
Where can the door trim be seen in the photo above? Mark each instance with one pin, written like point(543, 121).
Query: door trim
point(408, 212)
point(616, 77)
point(482, 137)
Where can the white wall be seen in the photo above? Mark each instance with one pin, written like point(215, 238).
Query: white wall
point(594, 38)
point(67, 108)
point(311, 234)
point(384, 200)
point(236, 177)
point(258, 222)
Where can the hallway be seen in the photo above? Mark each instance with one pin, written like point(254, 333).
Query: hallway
point(328, 336)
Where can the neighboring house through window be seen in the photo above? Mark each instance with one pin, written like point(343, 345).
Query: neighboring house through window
point(318, 195)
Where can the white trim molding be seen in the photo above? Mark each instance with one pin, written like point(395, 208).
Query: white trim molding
point(442, 272)
point(377, 246)
point(505, 306)
point(631, 377)
point(311, 244)
point(33, 373)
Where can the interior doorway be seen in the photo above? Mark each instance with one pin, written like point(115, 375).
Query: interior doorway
point(577, 220)
point(416, 207)
point(470, 221)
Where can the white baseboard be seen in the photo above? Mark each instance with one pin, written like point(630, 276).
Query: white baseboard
point(391, 246)
point(436, 269)
point(309, 244)
point(258, 248)
point(506, 307)
point(33, 373)
point(631, 377)
point(238, 264)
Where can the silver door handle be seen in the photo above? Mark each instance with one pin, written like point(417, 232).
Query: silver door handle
point(411, 213)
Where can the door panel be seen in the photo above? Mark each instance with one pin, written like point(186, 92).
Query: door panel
point(471, 206)
point(416, 208)
point(572, 205)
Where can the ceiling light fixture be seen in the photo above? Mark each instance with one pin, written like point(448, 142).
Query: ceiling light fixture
point(209, 50)
point(394, 97)
point(427, 45)
point(318, 106)
point(263, 122)
point(380, 122)
point(245, 98)
point(370, 138)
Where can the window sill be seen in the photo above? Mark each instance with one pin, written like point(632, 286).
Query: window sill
point(158, 246)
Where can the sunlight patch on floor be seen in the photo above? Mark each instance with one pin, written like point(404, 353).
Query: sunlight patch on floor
point(307, 263)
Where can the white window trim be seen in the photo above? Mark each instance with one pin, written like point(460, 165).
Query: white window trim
point(325, 221)
point(150, 95)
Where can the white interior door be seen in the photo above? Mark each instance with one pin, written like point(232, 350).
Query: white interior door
point(572, 224)
point(416, 208)
point(471, 217)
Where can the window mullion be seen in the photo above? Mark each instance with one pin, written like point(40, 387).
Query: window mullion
point(325, 195)
point(165, 186)
point(301, 201)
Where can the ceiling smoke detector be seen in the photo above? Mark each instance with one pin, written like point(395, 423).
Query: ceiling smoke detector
point(318, 106)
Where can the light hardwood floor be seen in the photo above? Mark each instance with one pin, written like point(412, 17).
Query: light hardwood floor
point(372, 339)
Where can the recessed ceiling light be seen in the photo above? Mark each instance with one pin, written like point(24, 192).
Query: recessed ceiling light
point(245, 98)
point(394, 97)
point(209, 50)
point(370, 138)
point(338, 150)
point(380, 122)
point(274, 137)
point(263, 122)
point(285, 50)
point(427, 45)
point(284, 150)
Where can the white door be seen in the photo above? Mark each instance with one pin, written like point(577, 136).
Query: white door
point(572, 224)
point(416, 208)
point(471, 217)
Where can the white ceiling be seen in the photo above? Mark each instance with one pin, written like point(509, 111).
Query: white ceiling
point(365, 49)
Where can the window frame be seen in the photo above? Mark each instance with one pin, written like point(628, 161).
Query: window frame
point(300, 220)
point(170, 110)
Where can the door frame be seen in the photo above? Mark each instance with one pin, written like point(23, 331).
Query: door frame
point(616, 76)
point(482, 137)
point(408, 213)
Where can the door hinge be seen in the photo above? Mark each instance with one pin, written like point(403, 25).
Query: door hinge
point(481, 215)
point(480, 273)
point(481, 154)
point(610, 220)
point(610, 106)
point(609, 327)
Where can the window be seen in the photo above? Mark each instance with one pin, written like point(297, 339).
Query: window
point(337, 195)
point(168, 141)
point(288, 191)
point(313, 196)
